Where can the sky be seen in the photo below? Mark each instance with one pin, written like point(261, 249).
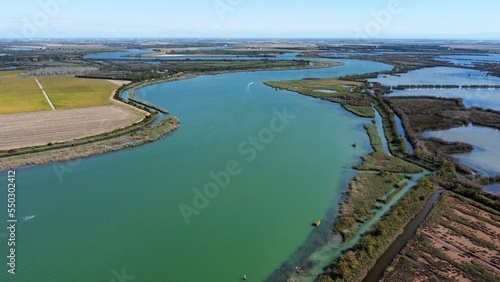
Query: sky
point(368, 19)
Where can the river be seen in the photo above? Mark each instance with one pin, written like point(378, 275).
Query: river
point(233, 191)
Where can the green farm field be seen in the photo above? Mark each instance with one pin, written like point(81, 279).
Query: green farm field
point(68, 92)
point(20, 94)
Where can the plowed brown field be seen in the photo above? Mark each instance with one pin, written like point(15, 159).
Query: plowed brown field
point(41, 128)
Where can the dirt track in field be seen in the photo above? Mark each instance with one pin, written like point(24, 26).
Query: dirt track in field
point(40, 128)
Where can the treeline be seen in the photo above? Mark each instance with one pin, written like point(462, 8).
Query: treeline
point(485, 180)
point(360, 77)
point(475, 192)
point(61, 71)
point(446, 86)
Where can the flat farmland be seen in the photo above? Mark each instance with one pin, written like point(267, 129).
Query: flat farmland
point(41, 128)
point(67, 92)
point(20, 94)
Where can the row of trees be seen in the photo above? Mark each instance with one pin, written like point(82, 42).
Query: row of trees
point(446, 86)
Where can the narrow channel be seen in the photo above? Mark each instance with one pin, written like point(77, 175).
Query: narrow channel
point(376, 273)
point(381, 132)
point(402, 132)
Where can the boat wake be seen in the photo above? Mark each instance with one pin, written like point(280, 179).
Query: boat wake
point(26, 218)
point(248, 86)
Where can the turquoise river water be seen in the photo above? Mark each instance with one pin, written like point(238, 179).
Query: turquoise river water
point(233, 191)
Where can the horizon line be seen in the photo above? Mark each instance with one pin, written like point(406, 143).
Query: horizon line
point(245, 38)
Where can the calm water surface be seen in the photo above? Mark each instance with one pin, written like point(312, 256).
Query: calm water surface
point(439, 75)
point(484, 98)
point(486, 144)
point(495, 189)
point(471, 60)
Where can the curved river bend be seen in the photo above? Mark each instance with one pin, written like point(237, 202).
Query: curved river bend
point(273, 162)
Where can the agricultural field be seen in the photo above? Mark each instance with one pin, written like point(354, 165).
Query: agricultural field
point(67, 92)
point(460, 241)
point(41, 128)
point(20, 94)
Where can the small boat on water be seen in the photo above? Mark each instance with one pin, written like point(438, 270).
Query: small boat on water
point(317, 223)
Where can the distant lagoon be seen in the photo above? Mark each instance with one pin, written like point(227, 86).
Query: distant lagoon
point(484, 98)
point(486, 142)
point(439, 75)
point(485, 156)
point(471, 60)
point(135, 54)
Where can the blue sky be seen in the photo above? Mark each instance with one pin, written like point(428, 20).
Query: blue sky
point(454, 19)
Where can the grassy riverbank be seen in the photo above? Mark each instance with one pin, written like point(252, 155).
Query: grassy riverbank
point(349, 94)
point(355, 263)
point(378, 160)
point(369, 187)
point(137, 85)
